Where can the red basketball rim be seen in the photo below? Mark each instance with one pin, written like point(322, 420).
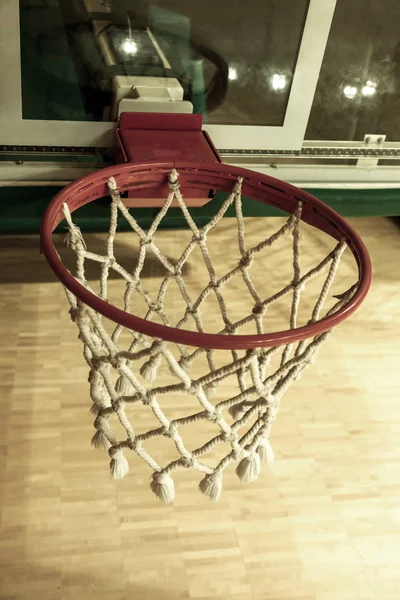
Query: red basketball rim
point(208, 176)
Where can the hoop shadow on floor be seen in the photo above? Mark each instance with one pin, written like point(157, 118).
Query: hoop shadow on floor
point(21, 261)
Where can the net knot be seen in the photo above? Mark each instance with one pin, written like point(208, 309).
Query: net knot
point(250, 353)
point(230, 328)
point(237, 188)
point(155, 307)
point(229, 437)
point(173, 428)
point(214, 416)
point(192, 311)
point(199, 237)
point(99, 422)
point(113, 189)
point(187, 462)
point(117, 363)
point(145, 241)
point(74, 239)
point(193, 388)
point(298, 285)
point(215, 285)
point(167, 431)
point(95, 377)
point(115, 452)
point(148, 399)
point(160, 476)
point(259, 309)
point(157, 347)
point(110, 261)
point(173, 182)
point(237, 453)
point(134, 444)
point(101, 366)
point(177, 272)
point(116, 404)
point(267, 398)
point(154, 361)
point(246, 261)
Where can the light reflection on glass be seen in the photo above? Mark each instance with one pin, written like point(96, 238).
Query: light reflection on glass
point(129, 47)
point(369, 89)
point(350, 91)
point(278, 82)
point(232, 74)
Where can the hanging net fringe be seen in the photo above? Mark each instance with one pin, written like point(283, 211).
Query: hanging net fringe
point(252, 409)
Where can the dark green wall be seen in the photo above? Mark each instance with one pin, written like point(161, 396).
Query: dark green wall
point(23, 207)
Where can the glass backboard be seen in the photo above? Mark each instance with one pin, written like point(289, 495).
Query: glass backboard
point(358, 87)
point(69, 67)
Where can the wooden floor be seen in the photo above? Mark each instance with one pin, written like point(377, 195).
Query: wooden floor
point(322, 524)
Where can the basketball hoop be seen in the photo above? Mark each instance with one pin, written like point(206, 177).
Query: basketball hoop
point(122, 379)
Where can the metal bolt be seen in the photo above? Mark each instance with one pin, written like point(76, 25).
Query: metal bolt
point(368, 139)
point(19, 162)
point(380, 140)
point(273, 165)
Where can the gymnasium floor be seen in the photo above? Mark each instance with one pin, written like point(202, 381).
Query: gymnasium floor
point(323, 524)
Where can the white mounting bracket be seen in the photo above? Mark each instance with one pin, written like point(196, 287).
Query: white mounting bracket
point(372, 141)
point(148, 94)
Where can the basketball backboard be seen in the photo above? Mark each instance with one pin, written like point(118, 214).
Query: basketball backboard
point(70, 67)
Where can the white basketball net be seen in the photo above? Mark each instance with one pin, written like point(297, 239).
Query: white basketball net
point(121, 379)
